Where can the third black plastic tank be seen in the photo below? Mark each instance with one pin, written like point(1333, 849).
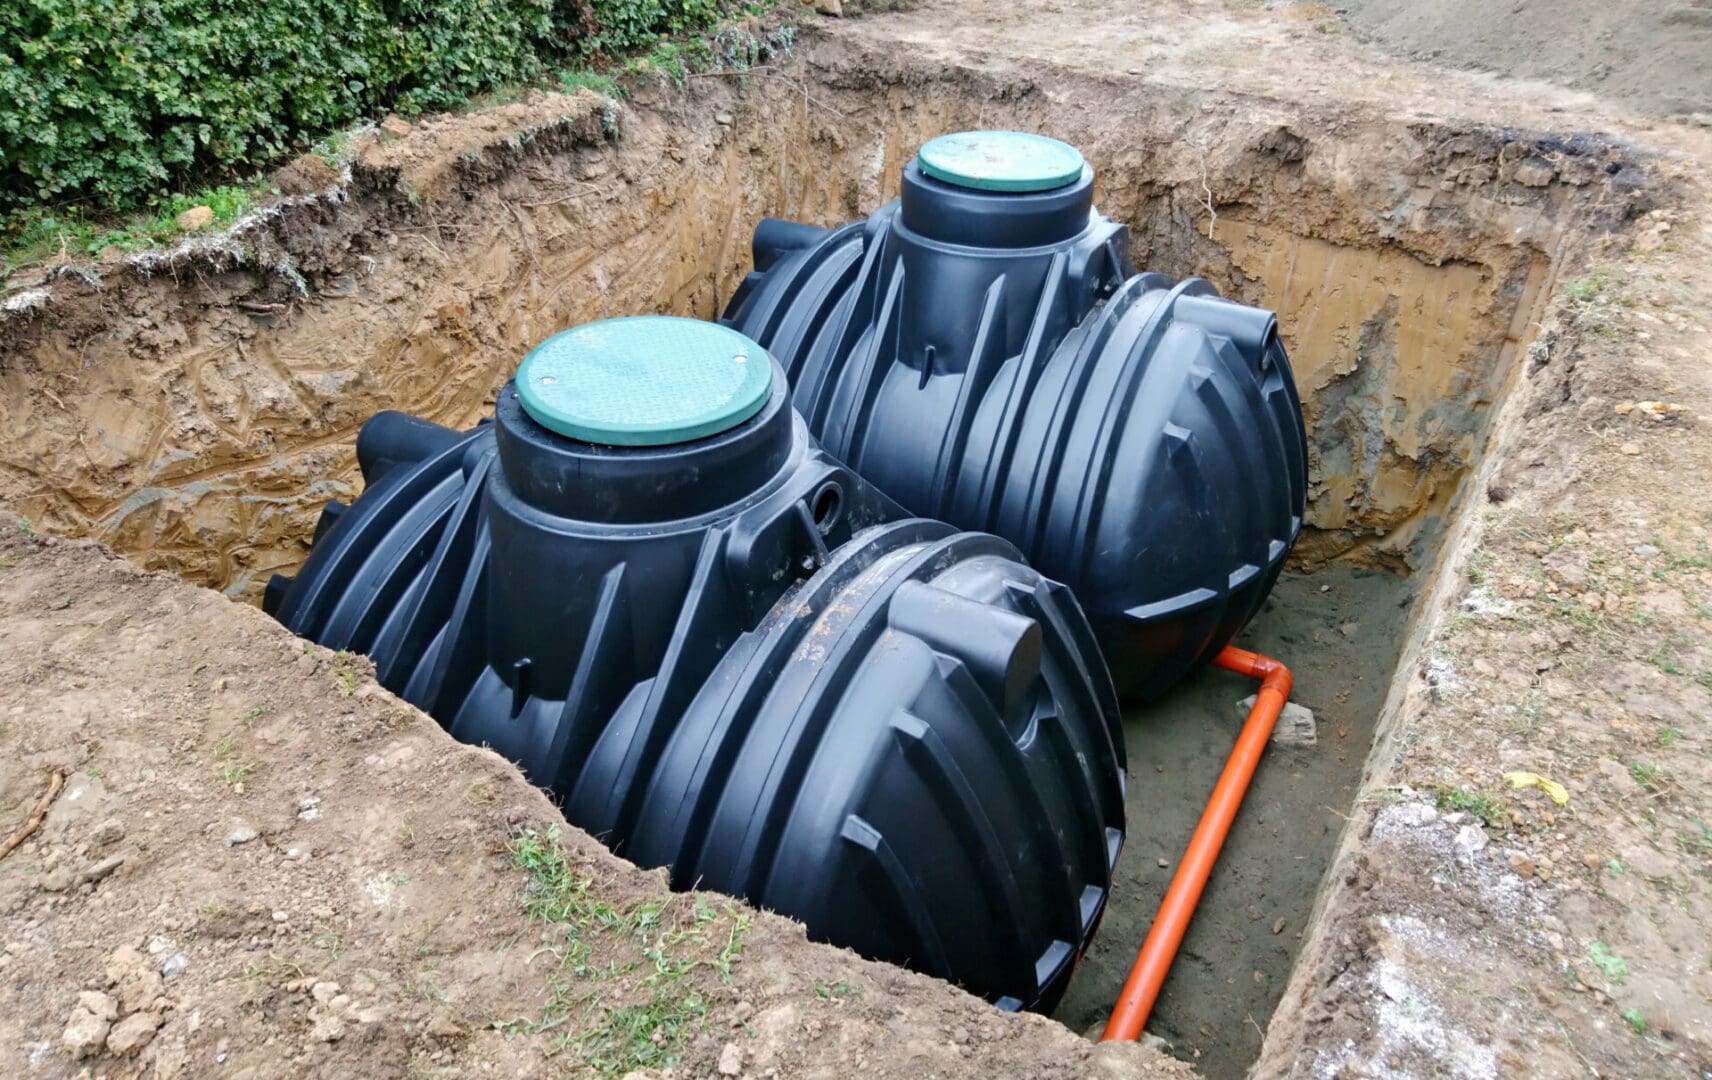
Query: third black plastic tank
point(727, 654)
point(983, 351)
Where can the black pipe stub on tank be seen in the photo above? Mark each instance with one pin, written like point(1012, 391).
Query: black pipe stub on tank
point(725, 653)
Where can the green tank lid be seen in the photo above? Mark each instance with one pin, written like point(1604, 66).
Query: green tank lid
point(649, 380)
point(1001, 161)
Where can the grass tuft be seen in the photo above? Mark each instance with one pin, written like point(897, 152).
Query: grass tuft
point(1596, 299)
point(235, 774)
point(633, 984)
point(73, 236)
point(1646, 775)
point(1488, 808)
point(1610, 965)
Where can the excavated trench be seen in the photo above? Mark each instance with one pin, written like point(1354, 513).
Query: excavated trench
point(194, 411)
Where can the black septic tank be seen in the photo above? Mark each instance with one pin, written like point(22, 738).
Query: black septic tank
point(983, 351)
point(726, 654)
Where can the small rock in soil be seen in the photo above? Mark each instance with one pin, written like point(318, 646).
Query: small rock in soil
point(84, 1033)
point(1469, 839)
point(102, 869)
point(730, 1060)
point(100, 1004)
point(1296, 725)
point(1416, 814)
point(395, 126)
point(131, 1034)
point(174, 965)
point(1533, 172)
point(138, 983)
point(444, 1027)
point(242, 833)
point(722, 118)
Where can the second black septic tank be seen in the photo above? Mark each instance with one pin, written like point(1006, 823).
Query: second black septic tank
point(982, 350)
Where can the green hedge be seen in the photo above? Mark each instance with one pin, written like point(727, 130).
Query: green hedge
point(114, 102)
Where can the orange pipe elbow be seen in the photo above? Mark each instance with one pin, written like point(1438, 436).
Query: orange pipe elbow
point(1153, 963)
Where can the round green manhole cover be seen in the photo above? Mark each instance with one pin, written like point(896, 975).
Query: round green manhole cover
point(651, 380)
point(1001, 161)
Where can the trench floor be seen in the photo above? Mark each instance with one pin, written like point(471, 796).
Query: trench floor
point(1341, 630)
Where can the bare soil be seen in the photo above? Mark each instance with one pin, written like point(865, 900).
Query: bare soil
point(1483, 283)
point(1654, 56)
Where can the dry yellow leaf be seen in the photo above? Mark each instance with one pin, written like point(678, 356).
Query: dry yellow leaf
point(1533, 779)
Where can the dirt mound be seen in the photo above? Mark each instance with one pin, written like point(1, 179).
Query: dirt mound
point(261, 860)
point(1654, 56)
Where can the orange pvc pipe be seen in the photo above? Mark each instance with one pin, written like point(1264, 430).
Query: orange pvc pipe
point(1152, 964)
